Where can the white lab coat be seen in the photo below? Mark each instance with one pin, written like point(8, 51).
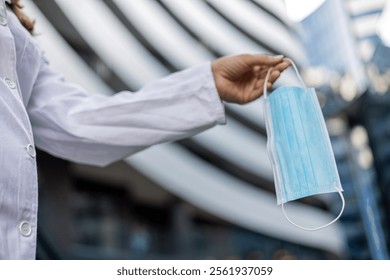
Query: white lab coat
point(38, 108)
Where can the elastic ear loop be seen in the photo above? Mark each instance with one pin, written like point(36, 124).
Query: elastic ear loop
point(320, 227)
point(269, 72)
point(338, 190)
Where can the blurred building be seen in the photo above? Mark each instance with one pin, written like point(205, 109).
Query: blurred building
point(375, 111)
point(341, 40)
point(211, 196)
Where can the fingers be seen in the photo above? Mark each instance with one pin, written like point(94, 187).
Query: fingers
point(272, 78)
point(282, 66)
point(261, 59)
point(277, 70)
point(269, 86)
point(269, 60)
point(275, 74)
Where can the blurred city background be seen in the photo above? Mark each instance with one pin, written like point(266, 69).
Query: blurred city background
point(212, 196)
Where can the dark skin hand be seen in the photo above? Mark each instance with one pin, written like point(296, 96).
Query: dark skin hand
point(240, 79)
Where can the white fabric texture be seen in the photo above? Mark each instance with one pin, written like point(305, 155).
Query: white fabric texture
point(39, 108)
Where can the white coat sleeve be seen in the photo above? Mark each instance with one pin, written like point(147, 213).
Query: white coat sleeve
point(70, 123)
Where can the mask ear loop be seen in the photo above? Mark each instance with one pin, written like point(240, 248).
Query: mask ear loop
point(269, 72)
point(338, 190)
point(320, 227)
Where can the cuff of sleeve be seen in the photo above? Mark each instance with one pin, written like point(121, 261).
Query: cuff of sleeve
point(215, 99)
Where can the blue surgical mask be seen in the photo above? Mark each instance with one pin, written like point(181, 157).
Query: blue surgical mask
point(299, 146)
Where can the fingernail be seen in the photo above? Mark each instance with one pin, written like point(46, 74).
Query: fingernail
point(279, 56)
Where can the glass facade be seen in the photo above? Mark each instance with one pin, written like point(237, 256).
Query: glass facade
point(335, 39)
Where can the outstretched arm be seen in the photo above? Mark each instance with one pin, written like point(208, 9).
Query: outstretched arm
point(70, 123)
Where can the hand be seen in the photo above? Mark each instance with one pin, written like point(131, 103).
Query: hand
point(240, 79)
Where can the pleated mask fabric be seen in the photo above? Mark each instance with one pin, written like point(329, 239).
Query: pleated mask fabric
point(299, 146)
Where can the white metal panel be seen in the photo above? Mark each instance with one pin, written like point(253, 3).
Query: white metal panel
point(262, 26)
point(164, 33)
point(239, 145)
point(211, 28)
point(365, 26)
point(112, 42)
point(383, 25)
point(357, 7)
point(62, 56)
point(277, 7)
